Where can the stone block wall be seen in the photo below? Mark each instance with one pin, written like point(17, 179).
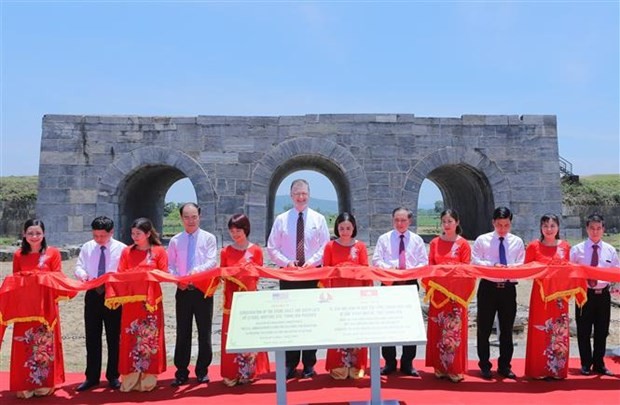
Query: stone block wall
point(122, 166)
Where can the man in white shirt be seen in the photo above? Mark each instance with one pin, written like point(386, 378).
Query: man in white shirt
point(297, 239)
point(596, 312)
point(499, 248)
point(400, 249)
point(97, 257)
point(192, 251)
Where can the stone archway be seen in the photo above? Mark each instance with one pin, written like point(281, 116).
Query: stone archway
point(375, 161)
point(323, 156)
point(469, 182)
point(135, 185)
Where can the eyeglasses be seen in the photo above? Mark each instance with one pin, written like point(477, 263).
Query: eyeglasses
point(300, 194)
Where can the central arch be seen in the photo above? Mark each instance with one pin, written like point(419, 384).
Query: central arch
point(324, 156)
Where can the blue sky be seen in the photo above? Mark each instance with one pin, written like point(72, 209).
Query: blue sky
point(441, 59)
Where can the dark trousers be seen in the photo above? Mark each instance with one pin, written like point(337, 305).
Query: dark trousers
point(192, 304)
point(308, 357)
point(595, 313)
point(492, 300)
point(409, 351)
point(96, 316)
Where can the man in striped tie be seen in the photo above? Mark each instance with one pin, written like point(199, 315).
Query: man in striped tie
point(297, 239)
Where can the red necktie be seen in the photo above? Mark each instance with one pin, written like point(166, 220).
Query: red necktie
point(594, 263)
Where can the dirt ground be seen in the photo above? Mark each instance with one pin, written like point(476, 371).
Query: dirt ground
point(72, 324)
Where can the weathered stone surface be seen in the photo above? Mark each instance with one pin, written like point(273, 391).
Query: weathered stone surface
point(122, 166)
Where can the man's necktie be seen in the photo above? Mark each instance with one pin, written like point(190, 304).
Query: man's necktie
point(594, 263)
point(300, 254)
point(502, 251)
point(402, 259)
point(191, 249)
point(101, 266)
point(101, 270)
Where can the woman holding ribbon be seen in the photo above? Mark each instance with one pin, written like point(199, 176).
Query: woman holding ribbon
point(240, 368)
point(345, 363)
point(548, 331)
point(37, 365)
point(142, 348)
point(448, 297)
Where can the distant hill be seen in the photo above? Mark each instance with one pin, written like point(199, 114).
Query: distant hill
point(594, 190)
point(324, 206)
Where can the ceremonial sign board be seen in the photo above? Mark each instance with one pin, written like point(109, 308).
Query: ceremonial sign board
point(325, 317)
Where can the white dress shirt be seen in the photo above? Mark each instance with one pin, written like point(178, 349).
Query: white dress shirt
point(607, 257)
point(205, 256)
point(386, 252)
point(87, 264)
point(486, 251)
point(282, 242)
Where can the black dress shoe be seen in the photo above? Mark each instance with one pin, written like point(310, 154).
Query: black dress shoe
point(308, 372)
point(603, 371)
point(114, 384)
point(204, 379)
point(291, 373)
point(585, 370)
point(507, 374)
point(410, 371)
point(86, 385)
point(179, 381)
point(387, 370)
point(486, 374)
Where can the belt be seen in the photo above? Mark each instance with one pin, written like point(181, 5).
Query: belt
point(598, 291)
point(502, 284)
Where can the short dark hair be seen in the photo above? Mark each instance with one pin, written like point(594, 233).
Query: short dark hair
point(146, 226)
point(454, 215)
point(345, 216)
point(102, 224)
point(26, 248)
point(595, 218)
point(502, 213)
point(186, 204)
point(547, 218)
point(240, 221)
point(407, 210)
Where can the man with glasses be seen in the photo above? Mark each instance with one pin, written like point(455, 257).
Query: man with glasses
point(297, 239)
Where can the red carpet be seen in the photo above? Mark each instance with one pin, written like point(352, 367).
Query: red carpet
point(577, 389)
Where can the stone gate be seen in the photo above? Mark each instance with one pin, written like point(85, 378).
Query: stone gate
point(122, 167)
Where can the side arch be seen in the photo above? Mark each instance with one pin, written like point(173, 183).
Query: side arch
point(469, 182)
point(324, 156)
point(135, 185)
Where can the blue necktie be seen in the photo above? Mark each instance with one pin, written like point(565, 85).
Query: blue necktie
point(502, 251)
point(101, 266)
point(191, 248)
